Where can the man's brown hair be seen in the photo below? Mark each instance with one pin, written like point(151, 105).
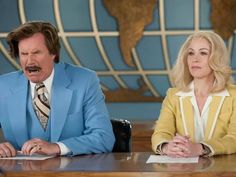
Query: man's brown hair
point(27, 30)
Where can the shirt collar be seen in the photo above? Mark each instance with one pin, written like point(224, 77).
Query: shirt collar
point(47, 83)
point(191, 92)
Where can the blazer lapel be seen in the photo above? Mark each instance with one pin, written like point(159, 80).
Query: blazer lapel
point(213, 113)
point(187, 115)
point(16, 105)
point(60, 101)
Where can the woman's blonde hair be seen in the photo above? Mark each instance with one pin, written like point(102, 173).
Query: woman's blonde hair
point(218, 61)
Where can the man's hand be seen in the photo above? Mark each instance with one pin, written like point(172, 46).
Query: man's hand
point(7, 150)
point(39, 146)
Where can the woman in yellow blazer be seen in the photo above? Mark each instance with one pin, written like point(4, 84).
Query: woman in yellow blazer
point(198, 116)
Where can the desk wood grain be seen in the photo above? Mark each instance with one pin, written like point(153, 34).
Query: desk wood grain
point(118, 165)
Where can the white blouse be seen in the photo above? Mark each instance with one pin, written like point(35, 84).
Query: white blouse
point(200, 120)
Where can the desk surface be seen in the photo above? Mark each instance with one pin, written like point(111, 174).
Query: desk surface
point(116, 165)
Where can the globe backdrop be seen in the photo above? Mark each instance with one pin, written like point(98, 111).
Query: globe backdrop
point(90, 38)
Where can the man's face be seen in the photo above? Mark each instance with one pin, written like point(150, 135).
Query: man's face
point(36, 61)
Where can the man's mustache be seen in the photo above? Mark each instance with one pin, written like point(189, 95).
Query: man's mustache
point(33, 68)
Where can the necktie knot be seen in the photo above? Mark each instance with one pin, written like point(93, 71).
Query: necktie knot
point(41, 92)
point(41, 104)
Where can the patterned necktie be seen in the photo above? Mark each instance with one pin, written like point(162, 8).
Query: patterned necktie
point(41, 104)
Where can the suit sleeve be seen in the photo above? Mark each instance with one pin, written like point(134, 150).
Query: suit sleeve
point(98, 135)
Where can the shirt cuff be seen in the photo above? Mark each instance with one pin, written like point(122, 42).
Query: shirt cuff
point(207, 150)
point(63, 148)
point(159, 147)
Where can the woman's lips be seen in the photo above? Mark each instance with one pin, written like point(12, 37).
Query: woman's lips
point(196, 67)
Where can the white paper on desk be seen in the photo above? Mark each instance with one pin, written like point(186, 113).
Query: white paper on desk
point(166, 159)
point(29, 157)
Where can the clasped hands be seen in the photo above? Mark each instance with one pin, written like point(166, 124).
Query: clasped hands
point(182, 146)
point(30, 147)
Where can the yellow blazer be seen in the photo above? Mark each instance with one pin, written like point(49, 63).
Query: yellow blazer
point(176, 116)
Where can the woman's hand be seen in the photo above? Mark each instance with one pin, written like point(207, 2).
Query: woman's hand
point(181, 146)
point(193, 149)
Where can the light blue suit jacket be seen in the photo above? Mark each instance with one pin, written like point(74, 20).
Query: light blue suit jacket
point(78, 116)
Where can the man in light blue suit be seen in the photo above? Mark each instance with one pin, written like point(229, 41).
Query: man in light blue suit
point(77, 120)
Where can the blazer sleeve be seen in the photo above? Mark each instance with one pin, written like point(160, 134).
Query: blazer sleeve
point(165, 125)
point(98, 135)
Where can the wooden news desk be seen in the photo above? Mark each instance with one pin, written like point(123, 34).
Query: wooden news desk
point(117, 165)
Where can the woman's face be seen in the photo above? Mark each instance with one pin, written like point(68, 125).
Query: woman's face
point(199, 52)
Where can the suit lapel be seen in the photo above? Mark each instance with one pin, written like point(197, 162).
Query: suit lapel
point(16, 104)
point(187, 115)
point(60, 101)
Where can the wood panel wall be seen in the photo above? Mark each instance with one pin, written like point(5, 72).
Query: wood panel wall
point(141, 135)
